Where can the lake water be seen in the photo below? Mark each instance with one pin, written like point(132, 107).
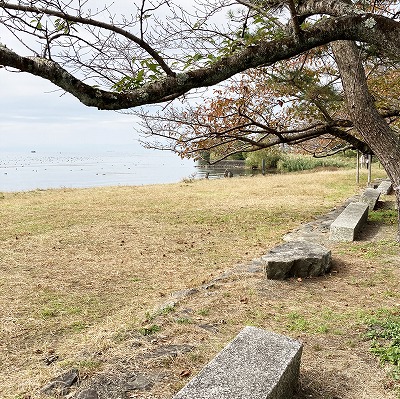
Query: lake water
point(29, 170)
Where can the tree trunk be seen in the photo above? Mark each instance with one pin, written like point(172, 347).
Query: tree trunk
point(384, 142)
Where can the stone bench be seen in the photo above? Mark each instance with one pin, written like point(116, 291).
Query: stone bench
point(296, 259)
point(370, 196)
point(349, 222)
point(257, 364)
point(385, 187)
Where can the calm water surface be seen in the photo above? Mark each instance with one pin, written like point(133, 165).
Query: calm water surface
point(29, 170)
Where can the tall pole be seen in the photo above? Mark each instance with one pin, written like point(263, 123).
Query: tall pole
point(263, 166)
point(358, 168)
point(369, 168)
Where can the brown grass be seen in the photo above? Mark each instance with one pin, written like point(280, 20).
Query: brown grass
point(83, 270)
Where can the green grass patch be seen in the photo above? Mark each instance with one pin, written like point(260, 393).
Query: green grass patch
point(326, 321)
point(78, 326)
point(371, 250)
point(183, 320)
point(204, 312)
point(384, 333)
point(283, 162)
point(149, 330)
point(160, 312)
point(384, 216)
point(295, 163)
point(56, 308)
point(297, 322)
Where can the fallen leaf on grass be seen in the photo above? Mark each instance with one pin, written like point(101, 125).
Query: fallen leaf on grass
point(185, 373)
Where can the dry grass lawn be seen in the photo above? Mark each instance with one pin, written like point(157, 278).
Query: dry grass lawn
point(83, 270)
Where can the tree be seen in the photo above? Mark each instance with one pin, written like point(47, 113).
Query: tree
point(160, 51)
point(297, 102)
point(384, 141)
point(76, 44)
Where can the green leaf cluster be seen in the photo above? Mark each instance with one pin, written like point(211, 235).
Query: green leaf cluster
point(37, 22)
point(261, 28)
point(128, 83)
point(150, 72)
point(64, 26)
point(190, 59)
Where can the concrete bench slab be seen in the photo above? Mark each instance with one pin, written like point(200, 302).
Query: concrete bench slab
point(257, 364)
point(385, 187)
point(297, 259)
point(349, 222)
point(370, 196)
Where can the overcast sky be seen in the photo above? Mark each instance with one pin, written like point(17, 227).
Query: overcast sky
point(33, 113)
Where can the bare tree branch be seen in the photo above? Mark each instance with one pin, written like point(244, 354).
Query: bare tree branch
point(295, 19)
point(383, 32)
point(92, 22)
